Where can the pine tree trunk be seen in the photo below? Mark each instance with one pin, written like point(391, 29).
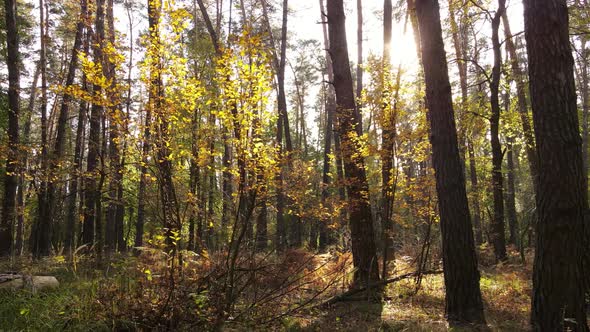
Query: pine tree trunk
point(360, 221)
point(10, 180)
point(463, 301)
point(497, 227)
point(521, 92)
point(91, 226)
point(562, 200)
point(41, 230)
point(389, 133)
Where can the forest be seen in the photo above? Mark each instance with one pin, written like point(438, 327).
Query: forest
point(311, 165)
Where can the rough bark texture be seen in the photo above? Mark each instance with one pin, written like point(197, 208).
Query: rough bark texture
point(558, 275)
point(463, 297)
point(10, 180)
point(361, 226)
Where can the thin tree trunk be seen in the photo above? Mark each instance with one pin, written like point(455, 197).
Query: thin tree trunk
point(92, 203)
point(329, 105)
point(359, 59)
point(41, 231)
point(361, 225)
point(388, 139)
point(22, 187)
point(559, 280)
point(463, 301)
point(498, 237)
point(521, 92)
point(10, 180)
point(114, 231)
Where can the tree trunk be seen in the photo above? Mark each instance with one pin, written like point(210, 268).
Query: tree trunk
point(41, 230)
point(388, 139)
point(558, 271)
point(477, 226)
point(22, 187)
point(359, 59)
point(114, 230)
point(497, 224)
point(10, 180)
point(519, 77)
point(361, 225)
point(91, 191)
point(463, 296)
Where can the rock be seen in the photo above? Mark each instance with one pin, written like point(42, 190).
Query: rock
point(33, 283)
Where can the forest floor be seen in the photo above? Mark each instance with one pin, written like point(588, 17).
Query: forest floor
point(506, 290)
point(73, 306)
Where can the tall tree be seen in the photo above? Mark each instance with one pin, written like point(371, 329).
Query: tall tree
point(92, 228)
point(360, 221)
point(329, 106)
point(521, 94)
point(558, 271)
point(41, 230)
point(10, 180)
point(114, 221)
point(359, 56)
point(498, 236)
point(388, 137)
point(463, 295)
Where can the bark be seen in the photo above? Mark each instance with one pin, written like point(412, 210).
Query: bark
point(558, 271)
point(360, 221)
point(498, 237)
point(463, 303)
point(8, 216)
point(91, 188)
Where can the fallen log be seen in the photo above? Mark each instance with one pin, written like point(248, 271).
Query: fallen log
point(22, 281)
point(348, 294)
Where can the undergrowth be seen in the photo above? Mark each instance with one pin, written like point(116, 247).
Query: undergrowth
point(277, 293)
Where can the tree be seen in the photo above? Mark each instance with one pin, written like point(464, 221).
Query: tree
point(463, 301)
point(498, 236)
point(92, 227)
point(562, 203)
point(388, 138)
point(360, 221)
point(10, 181)
point(458, 34)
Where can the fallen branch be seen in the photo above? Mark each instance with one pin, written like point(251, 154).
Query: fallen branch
point(344, 296)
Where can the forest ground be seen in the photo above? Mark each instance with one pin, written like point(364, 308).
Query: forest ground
point(79, 303)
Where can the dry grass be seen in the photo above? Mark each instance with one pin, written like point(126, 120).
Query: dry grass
point(506, 290)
